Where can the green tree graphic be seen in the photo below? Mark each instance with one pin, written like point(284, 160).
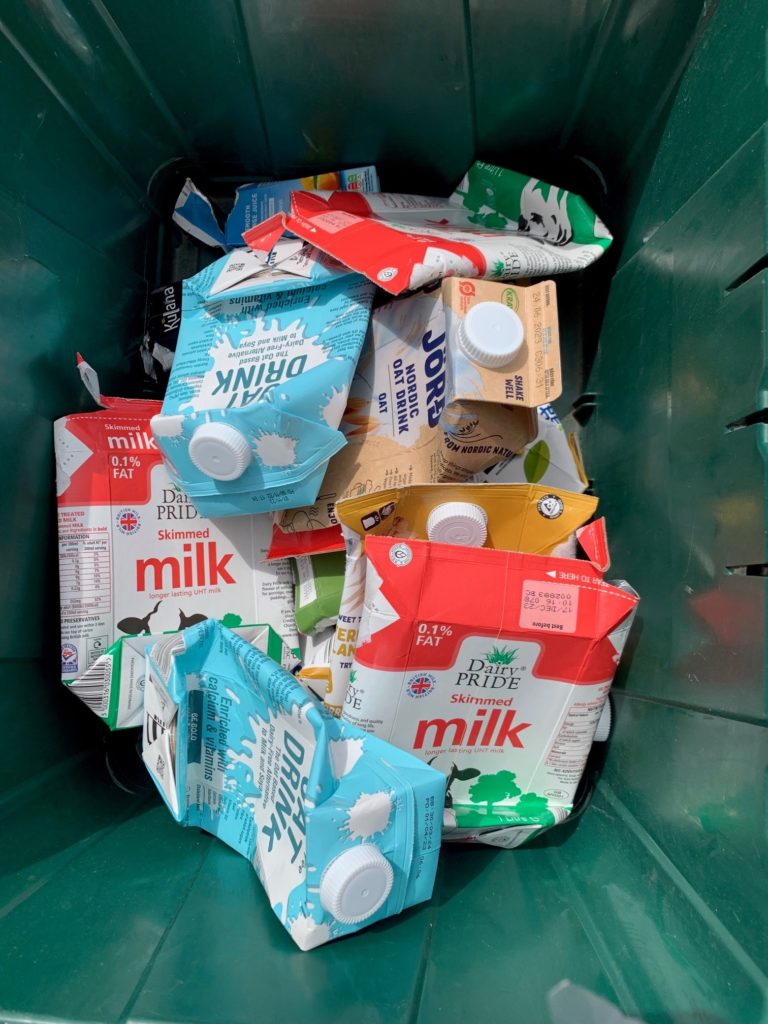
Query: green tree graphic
point(491, 789)
point(230, 620)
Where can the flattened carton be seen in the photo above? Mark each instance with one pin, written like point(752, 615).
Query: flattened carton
point(492, 666)
point(342, 829)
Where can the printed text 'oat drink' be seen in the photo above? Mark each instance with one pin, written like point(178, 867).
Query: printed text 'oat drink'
point(342, 829)
point(446, 386)
point(259, 383)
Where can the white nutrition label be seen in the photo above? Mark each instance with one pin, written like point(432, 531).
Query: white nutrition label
point(85, 571)
point(572, 744)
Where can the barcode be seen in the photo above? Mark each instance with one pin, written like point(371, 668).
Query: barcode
point(549, 381)
point(94, 686)
point(164, 650)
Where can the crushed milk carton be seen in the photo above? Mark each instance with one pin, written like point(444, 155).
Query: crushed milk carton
point(493, 666)
point(553, 458)
point(342, 829)
point(497, 224)
point(195, 213)
point(135, 557)
point(517, 517)
point(255, 203)
point(259, 382)
point(446, 386)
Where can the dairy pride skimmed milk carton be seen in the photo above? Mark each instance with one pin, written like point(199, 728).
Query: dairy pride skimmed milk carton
point(259, 383)
point(519, 517)
point(492, 666)
point(136, 558)
point(342, 829)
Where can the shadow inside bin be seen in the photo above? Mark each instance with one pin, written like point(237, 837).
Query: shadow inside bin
point(630, 649)
point(62, 812)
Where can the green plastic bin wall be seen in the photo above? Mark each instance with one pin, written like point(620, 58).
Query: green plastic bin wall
point(656, 897)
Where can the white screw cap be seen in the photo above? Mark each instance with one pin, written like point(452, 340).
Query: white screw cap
point(491, 334)
point(603, 730)
point(219, 451)
point(356, 884)
point(458, 522)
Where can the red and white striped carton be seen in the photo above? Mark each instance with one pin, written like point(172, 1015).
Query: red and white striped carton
point(492, 666)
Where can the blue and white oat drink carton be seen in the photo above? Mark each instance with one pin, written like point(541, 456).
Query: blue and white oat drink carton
point(342, 828)
point(263, 364)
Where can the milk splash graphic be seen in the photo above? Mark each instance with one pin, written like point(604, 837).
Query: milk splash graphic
point(259, 380)
point(368, 815)
point(260, 764)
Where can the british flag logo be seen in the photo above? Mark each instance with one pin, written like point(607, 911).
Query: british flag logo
point(128, 521)
point(420, 685)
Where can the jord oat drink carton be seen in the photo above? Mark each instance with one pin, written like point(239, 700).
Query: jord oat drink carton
point(342, 829)
point(136, 558)
point(516, 517)
point(447, 385)
point(504, 342)
point(492, 666)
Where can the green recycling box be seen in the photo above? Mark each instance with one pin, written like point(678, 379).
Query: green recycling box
point(655, 897)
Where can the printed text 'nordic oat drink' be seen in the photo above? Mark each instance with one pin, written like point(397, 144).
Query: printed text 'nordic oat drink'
point(446, 386)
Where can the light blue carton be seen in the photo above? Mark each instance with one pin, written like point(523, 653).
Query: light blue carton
point(259, 382)
point(342, 828)
point(255, 203)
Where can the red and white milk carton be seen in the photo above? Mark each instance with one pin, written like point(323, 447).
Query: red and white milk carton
point(492, 666)
point(136, 558)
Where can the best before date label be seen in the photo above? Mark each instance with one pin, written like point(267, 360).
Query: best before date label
point(552, 606)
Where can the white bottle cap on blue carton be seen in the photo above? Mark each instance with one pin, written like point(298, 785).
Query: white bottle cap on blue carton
point(458, 522)
point(356, 884)
point(220, 451)
point(491, 334)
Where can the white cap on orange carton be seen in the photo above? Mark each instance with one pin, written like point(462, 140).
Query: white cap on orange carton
point(219, 451)
point(356, 884)
point(458, 522)
point(491, 334)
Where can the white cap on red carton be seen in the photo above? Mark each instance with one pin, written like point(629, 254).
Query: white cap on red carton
point(220, 451)
point(458, 522)
point(491, 334)
point(356, 884)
